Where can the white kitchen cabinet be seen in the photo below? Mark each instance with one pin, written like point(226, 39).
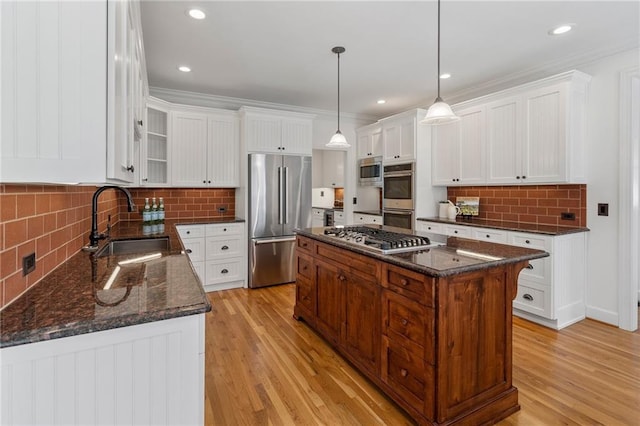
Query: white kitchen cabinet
point(333, 168)
point(217, 253)
point(504, 136)
point(154, 150)
point(361, 218)
point(399, 137)
point(317, 217)
point(369, 141)
point(551, 290)
point(277, 132)
point(149, 373)
point(458, 150)
point(205, 149)
point(339, 218)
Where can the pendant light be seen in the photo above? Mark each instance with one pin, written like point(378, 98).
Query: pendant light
point(338, 140)
point(440, 112)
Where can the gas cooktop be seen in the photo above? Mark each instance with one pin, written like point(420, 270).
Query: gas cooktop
point(378, 240)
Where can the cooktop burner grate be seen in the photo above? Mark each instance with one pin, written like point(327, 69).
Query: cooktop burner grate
point(379, 240)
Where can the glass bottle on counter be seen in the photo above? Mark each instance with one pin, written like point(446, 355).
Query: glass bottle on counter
point(154, 216)
point(146, 218)
point(161, 216)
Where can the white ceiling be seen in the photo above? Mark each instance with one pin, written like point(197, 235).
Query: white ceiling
point(280, 52)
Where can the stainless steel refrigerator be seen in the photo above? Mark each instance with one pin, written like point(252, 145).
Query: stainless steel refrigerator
point(279, 203)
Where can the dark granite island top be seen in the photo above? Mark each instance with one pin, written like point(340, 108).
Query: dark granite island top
point(73, 300)
point(459, 255)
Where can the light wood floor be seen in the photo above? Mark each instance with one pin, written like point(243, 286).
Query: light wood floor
point(265, 368)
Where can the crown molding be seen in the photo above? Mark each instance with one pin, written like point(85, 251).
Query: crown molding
point(230, 103)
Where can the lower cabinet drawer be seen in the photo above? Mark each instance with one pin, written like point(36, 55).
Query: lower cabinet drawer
point(408, 375)
point(304, 266)
point(534, 298)
point(408, 283)
point(223, 247)
point(221, 271)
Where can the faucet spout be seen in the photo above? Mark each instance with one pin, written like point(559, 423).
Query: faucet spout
point(95, 236)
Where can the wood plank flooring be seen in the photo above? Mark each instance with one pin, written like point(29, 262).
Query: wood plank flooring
point(265, 368)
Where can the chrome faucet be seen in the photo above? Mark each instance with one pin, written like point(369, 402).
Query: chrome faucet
point(95, 236)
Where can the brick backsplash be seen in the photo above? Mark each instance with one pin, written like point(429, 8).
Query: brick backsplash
point(541, 204)
point(54, 221)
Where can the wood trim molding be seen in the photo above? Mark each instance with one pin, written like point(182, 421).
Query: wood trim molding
point(629, 196)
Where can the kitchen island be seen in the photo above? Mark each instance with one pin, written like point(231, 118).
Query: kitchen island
point(431, 328)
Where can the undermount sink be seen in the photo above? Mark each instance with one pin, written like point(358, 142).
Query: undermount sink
point(140, 245)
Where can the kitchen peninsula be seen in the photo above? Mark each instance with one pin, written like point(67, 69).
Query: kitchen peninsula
point(430, 327)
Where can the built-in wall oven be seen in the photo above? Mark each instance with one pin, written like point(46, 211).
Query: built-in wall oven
point(397, 200)
point(370, 171)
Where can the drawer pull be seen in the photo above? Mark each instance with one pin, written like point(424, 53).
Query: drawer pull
point(527, 296)
point(404, 372)
point(224, 248)
point(304, 268)
point(404, 282)
point(342, 277)
point(404, 321)
point(529, 266)
point(303, 244)
point(188, 251)
point(224, 271)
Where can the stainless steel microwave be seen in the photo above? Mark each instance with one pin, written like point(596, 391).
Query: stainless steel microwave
point(370, 171)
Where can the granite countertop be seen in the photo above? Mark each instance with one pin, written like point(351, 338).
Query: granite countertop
point(73, 300)
point(459, 255)
point(533, 228)
point(372, 212)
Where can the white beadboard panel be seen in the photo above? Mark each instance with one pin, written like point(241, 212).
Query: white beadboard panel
point(263, 134)
point(296, 136)
point(503, 133)
point(189, 147)
point(545, 142)
point(144, 374)
point(472, 147)
point(224, 152)
point(48, 77)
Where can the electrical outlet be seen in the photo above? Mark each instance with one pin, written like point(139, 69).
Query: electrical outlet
point(567, 216)
point(603, 209)
point(28, 264)
point(222, 209)
point(355, 200)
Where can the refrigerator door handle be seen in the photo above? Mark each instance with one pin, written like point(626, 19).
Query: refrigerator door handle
point(274, 240)
point(285, 190)
point(280, 196)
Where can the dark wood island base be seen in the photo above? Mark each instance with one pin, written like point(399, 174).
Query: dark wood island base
point(438, 343)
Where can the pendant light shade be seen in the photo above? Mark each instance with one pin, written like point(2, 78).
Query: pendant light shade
point(440, 112)
point(338, 140)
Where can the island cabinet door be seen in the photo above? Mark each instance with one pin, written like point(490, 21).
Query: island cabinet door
point(362, 320)
point(329, 300)
point(474, 340)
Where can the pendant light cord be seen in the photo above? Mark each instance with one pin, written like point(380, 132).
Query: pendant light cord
point(438, 76)
point(338, 91)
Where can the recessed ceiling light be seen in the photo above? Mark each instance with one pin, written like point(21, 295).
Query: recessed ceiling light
point(381, 101)
point(184, 68)
point(445, 75)
point(561, 29)
point(197, 14)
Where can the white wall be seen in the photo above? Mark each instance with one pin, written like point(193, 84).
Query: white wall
point(603, 161)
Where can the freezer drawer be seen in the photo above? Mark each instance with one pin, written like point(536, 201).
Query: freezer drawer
point(272, 261)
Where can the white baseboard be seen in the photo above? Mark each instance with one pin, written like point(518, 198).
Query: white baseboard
point(609, 317)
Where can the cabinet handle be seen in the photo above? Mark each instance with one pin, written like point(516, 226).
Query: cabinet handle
point(188, 251)
point(404, 321)
point(527, 296)
point(224, 271)
point(529, 266)
point(404, 372)
point(140, 122)
point(224, 248)
point(404, 282)
point(145, 180)
point(303, 244)
point(130, 168)
point(304, 268)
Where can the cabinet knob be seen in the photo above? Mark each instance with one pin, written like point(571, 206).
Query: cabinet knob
point(204, 181)
point(140, 122)
point(188, 251)
point(130, 168)
point(428, 227)
point(488, 236)
point(404, 372)
point(224, 230)
point(145, 180)
point(517, 177)
point(303, 244)
point(283, 148)
point(209, 181)
point(224, 271)
point(224, 248)
point(404, 282)
point(455, 232)
point(527, 241)
point(342, 277)
point(527, 296)
point(404, 321)
point(188, 232)
point(529, 266)
point(524, 177)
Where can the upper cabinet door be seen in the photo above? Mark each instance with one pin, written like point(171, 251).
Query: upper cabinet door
point(369, 141)
point(296, 136)
point(189, 149)
point(399, 140)
point(223, 152)
point(445, 166)
point(263, 134)
point(504, 135)
point(53, 83)
point(472, 146)
point(154, 148)
point(276, 132)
